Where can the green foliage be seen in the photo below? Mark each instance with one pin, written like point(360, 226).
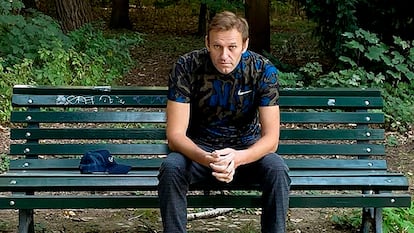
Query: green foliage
point(114, 50)
point(212, 5)
point(399, 220)
point(348, 220)
point(34, 50)
point(386, 18)
point(5, 226)
point(368, 62)
point(396, 220)
point(216, 6)
point(392, 141)
point(92, 60)
point(367, 50)
point(290, 80)
point(22, 36)
point(10, 6)
point(9, 76)
point(4, 163)
point(333, 18)
point(399, 107)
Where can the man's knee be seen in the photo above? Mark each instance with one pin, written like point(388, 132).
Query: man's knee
point(274, 162)
point(175, 163)
point(276, 170)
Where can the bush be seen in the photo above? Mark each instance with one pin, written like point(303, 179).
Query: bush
point(396, 220)
point(370, 63)
point(23, 36)
point(34, 50)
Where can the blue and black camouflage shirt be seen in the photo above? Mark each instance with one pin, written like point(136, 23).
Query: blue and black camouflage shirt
point(224, 107)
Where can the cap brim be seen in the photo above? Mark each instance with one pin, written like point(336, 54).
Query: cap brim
point(119, 169)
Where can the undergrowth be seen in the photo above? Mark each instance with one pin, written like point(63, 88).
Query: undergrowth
point(395, 220)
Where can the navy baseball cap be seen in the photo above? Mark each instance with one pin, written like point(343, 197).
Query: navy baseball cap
point(101, 161)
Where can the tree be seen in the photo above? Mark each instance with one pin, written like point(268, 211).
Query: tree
point(120, 14)
point(73, 14)
point(209, 8)
point(202, 20)
point(258, 16)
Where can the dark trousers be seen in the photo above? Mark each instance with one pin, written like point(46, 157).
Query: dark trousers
point(177, 173)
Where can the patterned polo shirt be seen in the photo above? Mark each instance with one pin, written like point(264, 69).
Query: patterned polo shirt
point(224, 107)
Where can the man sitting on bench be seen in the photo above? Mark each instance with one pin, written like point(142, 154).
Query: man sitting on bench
point(223, 125)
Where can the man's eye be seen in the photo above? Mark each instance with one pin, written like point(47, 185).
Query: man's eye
point(217, 46)
point(232, 47)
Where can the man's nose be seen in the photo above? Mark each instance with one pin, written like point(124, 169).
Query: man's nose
point(225, 53)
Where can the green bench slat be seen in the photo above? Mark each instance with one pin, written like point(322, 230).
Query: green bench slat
point(332, 149)
point(380, 201)
point(331, 92)
point(94, 182)
point(69, 90)
point(331, 102)
point(87, 117)
point(387, 182)
point(154, 164)
point(332, 134)
point(104, 100)
point(306, 172)
point(80, 149)
point(88, 90)
point(81, 133)
point(137, 117)
point(159, 134)
point(217, 201)
point(162, 149)
point(332, 117)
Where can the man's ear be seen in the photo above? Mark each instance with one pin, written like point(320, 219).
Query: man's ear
point(245, 45)
point(206, 43)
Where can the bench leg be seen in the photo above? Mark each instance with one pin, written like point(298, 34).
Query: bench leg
point(26, 223)
point(378, 220)
point(371, 220)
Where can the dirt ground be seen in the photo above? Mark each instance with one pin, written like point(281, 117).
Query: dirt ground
point(133, 220)
point(154, 65)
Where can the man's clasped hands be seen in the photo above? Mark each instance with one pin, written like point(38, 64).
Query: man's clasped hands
point(222, 163)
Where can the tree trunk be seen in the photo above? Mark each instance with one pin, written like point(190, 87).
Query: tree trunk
point(73, 14)
point(120, 14)
point(257, 15)
point(202, 20)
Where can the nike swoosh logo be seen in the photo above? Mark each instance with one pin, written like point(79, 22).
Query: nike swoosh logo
point(240, 92)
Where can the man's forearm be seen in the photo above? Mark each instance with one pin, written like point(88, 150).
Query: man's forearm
point(262, 147)
point(187, 147)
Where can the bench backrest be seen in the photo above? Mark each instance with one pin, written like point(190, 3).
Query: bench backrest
point(64, 122)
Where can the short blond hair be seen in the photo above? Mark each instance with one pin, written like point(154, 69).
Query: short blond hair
point(226, 20)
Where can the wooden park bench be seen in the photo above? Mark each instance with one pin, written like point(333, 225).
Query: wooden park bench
point(331, 139)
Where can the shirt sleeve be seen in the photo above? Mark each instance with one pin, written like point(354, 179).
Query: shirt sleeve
point(269, 86)
point(179, 83)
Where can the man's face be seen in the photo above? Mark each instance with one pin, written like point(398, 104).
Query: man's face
point(226, 48)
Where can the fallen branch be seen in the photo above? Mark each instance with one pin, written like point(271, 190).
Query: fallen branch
point(209, 213)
